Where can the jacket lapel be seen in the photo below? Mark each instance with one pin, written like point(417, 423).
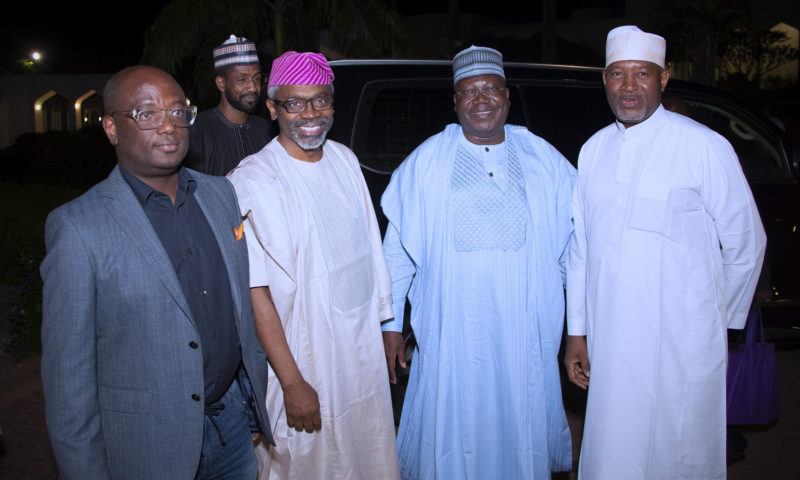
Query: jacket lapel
point(126, 210)
point(215, 207)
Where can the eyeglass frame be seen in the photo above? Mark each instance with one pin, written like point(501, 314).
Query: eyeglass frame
point(306, 101)
point(134, 115)
point(495, 92)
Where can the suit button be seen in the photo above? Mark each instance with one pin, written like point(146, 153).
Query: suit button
point(195, 397)
point(193, 344)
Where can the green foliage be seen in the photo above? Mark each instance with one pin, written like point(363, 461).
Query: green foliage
point(710, 36)
point(23, 210)
point(695, 30)
point(751, 53)
point(183, 36)
point(19, 66)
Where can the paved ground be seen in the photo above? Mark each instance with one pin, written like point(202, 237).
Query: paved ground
point(772, 451)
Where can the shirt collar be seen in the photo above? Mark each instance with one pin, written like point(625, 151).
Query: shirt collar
point(144, 192)
point(228, 123)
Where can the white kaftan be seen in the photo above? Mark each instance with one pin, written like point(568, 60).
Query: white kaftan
point(480, 240)
point(314, 240)
point(666, 253)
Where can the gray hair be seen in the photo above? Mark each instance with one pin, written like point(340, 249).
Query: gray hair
point(273, 89)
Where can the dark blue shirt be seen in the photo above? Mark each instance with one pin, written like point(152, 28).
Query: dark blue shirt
point(195, 255)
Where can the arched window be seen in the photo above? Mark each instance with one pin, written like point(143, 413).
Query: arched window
point(89, 109)
point(51, 113)
point(55, 110)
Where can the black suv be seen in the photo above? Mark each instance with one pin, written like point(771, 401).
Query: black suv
point(386, 108)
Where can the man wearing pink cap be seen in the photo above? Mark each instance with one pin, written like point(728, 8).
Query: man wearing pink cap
point(665, 256)
point(320, 288)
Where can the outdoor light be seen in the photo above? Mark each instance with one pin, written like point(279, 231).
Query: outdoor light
point(77, 106)
point(36, 56)
point(37, 107)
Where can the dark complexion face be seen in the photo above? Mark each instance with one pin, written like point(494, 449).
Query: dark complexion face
point(147, 154)
point(482, 118)
point(241, 86)
point(633, 89)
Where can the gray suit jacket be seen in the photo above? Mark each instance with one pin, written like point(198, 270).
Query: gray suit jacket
point(123, 386)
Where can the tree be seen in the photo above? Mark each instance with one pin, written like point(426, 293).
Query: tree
point(185, 32)
point(695, 29)
point(751, 53)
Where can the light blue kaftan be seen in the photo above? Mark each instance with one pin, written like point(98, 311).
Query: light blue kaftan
point(482, 263)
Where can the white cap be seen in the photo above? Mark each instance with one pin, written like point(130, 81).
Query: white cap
point(630, 43)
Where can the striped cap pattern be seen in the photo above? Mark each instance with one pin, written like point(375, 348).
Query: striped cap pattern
point(306, 68)
point(476, 61)
point(235, 51)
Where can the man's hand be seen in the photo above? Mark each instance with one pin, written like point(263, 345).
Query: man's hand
point(395, 348)
point(302, 407)
point(576, 359)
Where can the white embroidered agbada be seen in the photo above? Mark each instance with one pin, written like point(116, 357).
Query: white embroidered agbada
point(667, 250)
point(314, 240)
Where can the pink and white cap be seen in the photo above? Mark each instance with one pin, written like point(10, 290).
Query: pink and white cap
point(306, 68)
point(630, 43)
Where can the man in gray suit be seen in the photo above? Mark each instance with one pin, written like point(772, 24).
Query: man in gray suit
point(148, 339)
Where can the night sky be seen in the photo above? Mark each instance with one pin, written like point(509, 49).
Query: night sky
point(90, 37)
point(93, 36)
point(102, 37)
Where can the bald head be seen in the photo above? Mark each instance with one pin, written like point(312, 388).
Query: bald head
point(127, 80)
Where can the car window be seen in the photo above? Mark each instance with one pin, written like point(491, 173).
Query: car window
point(394, 116)
point(565, 115)
point(757, 150)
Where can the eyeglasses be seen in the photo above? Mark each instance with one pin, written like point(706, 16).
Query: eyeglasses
point(152, 118)
point(486, 92)
point(298, 105)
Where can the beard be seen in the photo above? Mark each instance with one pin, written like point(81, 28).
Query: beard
point(247, 102)
point(310, 142)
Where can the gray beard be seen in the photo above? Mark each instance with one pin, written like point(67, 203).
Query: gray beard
point(310, 143)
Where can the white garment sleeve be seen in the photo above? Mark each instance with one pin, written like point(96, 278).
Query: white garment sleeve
point(565, 227)
point(729, 201)
point(576, 267)
point(255, 254)
point(248, 204)
point(402, 270)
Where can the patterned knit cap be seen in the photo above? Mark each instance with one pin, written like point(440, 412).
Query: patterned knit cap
point(235, 51)
point(476, 61)
point(306, 68)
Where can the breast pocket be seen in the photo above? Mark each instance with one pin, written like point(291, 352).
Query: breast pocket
point(687, 218)
point(648, 214)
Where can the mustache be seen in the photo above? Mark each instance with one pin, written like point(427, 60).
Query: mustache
point(324, 121)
